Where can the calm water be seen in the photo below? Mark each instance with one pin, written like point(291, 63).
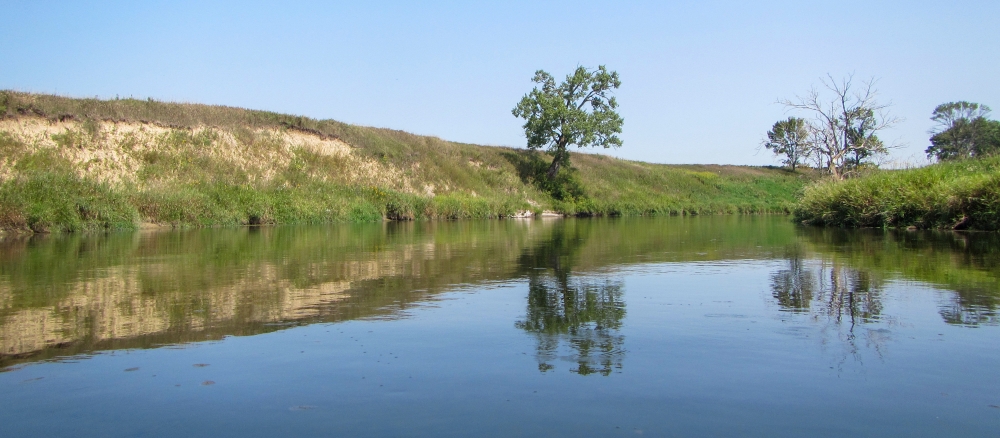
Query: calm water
point(713, 326)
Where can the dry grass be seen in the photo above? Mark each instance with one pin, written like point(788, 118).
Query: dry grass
point(125, 152)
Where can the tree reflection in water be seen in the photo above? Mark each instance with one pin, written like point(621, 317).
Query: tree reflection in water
point(793, 287)
point(845, 298)
point(965, 265)
point(585, 315)
point(975, 312)
point(843, 293)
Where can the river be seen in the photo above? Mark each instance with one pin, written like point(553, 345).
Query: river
point(674, 326)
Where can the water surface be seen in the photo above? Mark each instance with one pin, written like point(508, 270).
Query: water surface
point(705, 326)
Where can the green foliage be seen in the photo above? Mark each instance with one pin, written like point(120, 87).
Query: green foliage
point(91, 127)
point(953, 195)
point(862, 142)
point(365, 212)
point(947, 114)
point(579, 111)
point(621, 187)
point(68, 139)
point(532, 169)
point(4, 103)
point(790, 138)
point(43, 161)
point(963, 131)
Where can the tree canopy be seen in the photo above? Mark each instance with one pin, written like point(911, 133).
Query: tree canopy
point(580, 111)
point(790, 138)
point(963, 131)
point(947, 115)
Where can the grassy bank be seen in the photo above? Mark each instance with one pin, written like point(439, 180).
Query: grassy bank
point(75, 164)
point(952, 195)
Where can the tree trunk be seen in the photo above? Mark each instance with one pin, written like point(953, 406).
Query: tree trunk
point(834, 170)
point(554, 168)
point(558, 158)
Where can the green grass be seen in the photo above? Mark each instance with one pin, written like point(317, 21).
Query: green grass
point(951, 195)
point(620, 187)
point(180, 177)
point(45, 195)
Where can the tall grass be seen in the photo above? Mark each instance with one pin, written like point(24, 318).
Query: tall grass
point(953, 195)
point(57, 201)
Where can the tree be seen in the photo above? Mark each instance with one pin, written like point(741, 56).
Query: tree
point(862, 141)
point(845, 125)
point(790, 138)
point(579, 111)
point(963, 131)
point(947, 115)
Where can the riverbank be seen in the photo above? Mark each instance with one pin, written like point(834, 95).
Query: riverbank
point(77, 164)
point(951, 195)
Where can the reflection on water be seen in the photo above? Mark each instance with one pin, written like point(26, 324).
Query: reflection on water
point(585, 316)
point(74, 294)
point(842, 299)
point(65, 295)
point(793, 287)
point(837, 291)
point(839, 278)
point(856, 264)
point(680, 326)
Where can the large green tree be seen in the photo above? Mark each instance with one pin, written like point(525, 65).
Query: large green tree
point(580, 111)
point(963, 131)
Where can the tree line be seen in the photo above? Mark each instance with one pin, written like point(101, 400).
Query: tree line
point(839, 130)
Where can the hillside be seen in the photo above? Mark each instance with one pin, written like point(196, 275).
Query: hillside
point(74, 164)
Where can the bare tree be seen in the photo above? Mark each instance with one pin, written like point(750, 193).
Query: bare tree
point(846, 118)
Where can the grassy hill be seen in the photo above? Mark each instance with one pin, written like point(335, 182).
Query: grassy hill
point(952, 195)
point(73, 164)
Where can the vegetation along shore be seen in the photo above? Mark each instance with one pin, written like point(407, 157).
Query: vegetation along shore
point(70, 164)
point(960, 191)
point(961, 194)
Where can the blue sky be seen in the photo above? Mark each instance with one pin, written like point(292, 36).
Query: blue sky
point(700, 79)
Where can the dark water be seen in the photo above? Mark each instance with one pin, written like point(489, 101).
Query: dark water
point(714, 326)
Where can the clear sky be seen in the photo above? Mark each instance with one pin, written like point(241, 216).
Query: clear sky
point(699, 79)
